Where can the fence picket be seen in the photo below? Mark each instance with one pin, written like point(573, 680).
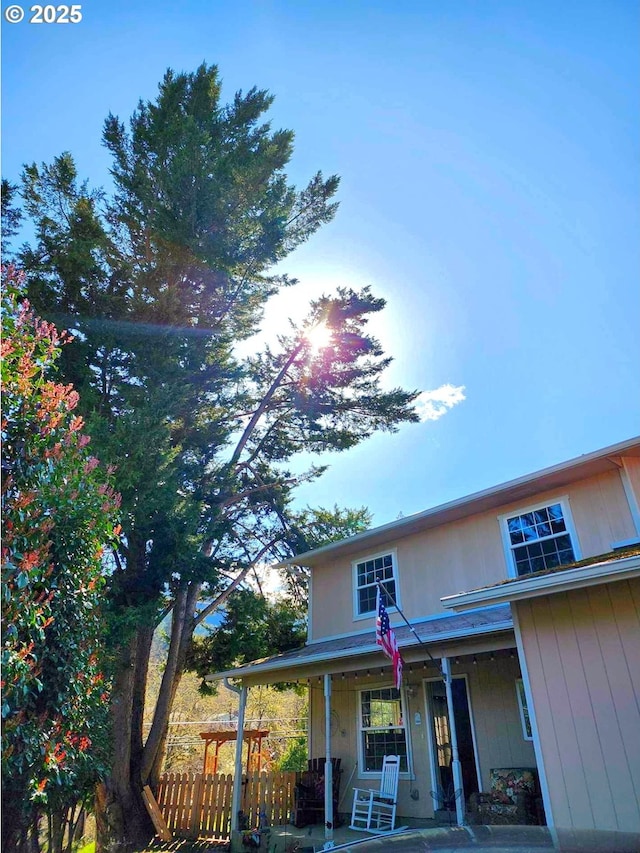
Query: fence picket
point(195, 818)
point(206, 825)
point(175, 797)
point(199, 806)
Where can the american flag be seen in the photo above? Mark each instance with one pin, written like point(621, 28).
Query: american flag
point(386, 637)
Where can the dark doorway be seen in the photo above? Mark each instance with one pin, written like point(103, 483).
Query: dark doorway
point(440, 735)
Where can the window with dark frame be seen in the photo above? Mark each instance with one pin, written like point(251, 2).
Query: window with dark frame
point(368, 572)
point(539, 539)
point(382, 728)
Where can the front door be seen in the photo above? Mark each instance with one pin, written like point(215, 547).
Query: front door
point(439, 735)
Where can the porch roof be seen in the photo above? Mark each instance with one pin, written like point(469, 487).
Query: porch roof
point(432, 631)
point(590, 572)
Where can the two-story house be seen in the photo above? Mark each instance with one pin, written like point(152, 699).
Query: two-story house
point(523, 648)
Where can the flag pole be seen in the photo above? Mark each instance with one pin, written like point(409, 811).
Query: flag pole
point(445, 671)
point(410, 626)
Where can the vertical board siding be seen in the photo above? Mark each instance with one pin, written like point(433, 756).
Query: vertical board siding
point(632, 464)
point(601, 513)
point(496, 716)
point(544, 711)
point(621, 723)
point(582, 650)
point(199, 805)
point(628, 610)
point(579, 667)
point(468, 553)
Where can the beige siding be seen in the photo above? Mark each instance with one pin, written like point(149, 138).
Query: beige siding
point(331, 611)
point(444, 561)
point(465, 555)
point(632, 471)
point(582, 651)
point(431, 564)
point(601, 513)
point(495, 717)
point(499, 737)
point(632, 464)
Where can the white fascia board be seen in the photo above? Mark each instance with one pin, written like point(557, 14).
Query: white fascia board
point(561, 581)
point(294, 664)
point(413, 623)
point(323, 657)
point(408, 522)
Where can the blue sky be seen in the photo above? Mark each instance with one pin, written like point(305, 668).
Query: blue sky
point(490, 192)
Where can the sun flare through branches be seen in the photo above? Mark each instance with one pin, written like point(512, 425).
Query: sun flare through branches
point(318, 337)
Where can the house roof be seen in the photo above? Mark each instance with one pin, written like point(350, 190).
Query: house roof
point(591, 572)
point(555, 477)
point(429, 632)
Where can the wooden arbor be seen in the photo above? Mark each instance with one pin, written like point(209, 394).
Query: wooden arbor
point(252, 737)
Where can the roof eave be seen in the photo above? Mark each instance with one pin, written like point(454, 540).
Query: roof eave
point(533, 587)
point(456, 508)
point(267, 667)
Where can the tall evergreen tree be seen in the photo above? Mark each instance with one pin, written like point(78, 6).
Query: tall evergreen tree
point(254, 624)
point(160, 282)
point(10, 217)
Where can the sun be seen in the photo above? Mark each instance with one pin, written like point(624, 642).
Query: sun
point(318, 337)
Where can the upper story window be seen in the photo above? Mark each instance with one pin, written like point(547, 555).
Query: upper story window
point(380, 567)
point(540, 538)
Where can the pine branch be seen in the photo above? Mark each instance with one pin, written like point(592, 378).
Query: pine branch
point(220, 600)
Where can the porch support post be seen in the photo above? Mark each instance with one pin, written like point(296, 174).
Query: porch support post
point(237, 775)
point(328, 766)
point(455, 756)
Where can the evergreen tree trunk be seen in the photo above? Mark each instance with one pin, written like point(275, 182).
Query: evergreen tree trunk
point(138, 701)
point(184, 622)
point(121, 817)
point(161, 750)
point(182, 625)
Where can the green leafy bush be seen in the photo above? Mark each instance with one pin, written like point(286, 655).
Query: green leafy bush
point(59, 510)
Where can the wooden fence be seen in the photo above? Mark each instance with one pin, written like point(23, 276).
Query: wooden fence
point(197, 805)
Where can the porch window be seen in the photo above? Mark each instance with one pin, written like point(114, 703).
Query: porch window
point(540, 538)
point(382, 729)
point(380, 567)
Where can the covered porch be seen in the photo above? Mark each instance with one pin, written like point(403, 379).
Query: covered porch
point(460, 713)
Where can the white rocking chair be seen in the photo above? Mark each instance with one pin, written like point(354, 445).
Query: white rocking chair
point(375, 810)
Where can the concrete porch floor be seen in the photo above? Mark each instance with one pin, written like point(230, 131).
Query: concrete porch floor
point(311, 839)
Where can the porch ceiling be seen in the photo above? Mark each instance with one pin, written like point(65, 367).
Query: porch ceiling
point(352, 651)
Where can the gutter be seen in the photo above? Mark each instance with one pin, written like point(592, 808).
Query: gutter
point(362, 651)
point(228, 685)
